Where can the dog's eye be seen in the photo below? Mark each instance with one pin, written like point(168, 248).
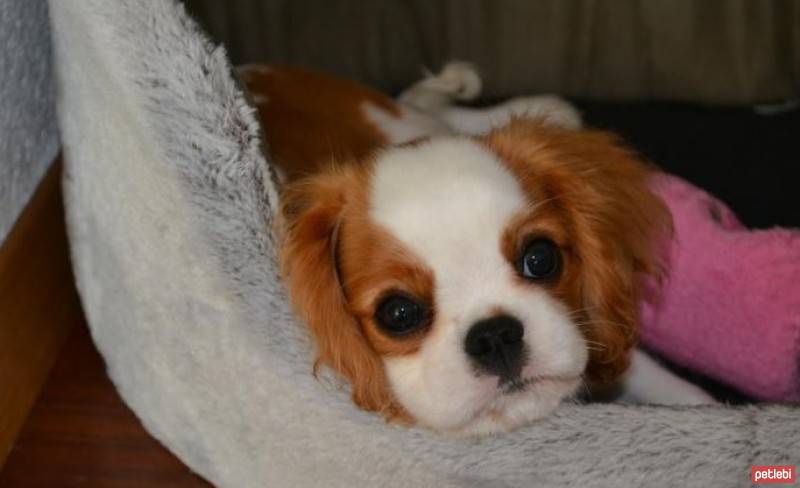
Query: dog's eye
point(540, 260)
point(399, 314)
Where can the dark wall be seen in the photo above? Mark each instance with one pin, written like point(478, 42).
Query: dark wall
point(718, 51)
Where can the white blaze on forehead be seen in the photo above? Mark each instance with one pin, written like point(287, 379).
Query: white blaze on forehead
point(448, 200)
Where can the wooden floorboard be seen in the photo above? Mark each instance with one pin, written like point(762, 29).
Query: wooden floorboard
point(38, 304)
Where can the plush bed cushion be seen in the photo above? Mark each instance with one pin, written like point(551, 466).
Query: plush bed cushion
point(169, 205)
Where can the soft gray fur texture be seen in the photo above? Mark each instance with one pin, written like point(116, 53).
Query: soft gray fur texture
point(28, 129)
point(170, 205)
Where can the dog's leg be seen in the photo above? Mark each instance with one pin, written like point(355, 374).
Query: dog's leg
point(550, 109)
point(649, 382)
point(436, 95)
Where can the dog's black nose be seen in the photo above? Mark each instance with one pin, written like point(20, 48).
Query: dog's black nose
point(496, 346)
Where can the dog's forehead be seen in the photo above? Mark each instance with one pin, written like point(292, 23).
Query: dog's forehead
point(444, 193)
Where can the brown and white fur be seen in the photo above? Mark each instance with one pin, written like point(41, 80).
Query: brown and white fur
point(435, 204)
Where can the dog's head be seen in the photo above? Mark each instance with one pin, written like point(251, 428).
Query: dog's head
point(470, 285)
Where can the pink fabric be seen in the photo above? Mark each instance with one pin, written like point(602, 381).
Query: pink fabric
point(730, 308)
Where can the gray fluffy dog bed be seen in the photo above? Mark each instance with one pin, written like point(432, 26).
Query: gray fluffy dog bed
point(170, 202)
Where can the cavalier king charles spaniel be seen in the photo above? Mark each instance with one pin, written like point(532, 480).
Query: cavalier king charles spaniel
point(462, 269)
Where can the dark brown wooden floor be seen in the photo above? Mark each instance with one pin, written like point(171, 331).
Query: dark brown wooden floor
point(80, 434)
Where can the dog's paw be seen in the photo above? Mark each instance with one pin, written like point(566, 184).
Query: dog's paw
point(459, 79)
point(550, 109)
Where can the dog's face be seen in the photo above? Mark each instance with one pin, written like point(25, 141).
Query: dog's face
point(470, 285)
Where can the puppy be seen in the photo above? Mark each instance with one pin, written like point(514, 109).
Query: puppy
point(463, 269)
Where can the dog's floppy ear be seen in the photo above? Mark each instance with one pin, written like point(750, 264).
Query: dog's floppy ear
point(312, 210)
point(616, 223)
point(621, 225)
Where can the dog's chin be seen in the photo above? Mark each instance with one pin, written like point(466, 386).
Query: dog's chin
point(518, 403)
